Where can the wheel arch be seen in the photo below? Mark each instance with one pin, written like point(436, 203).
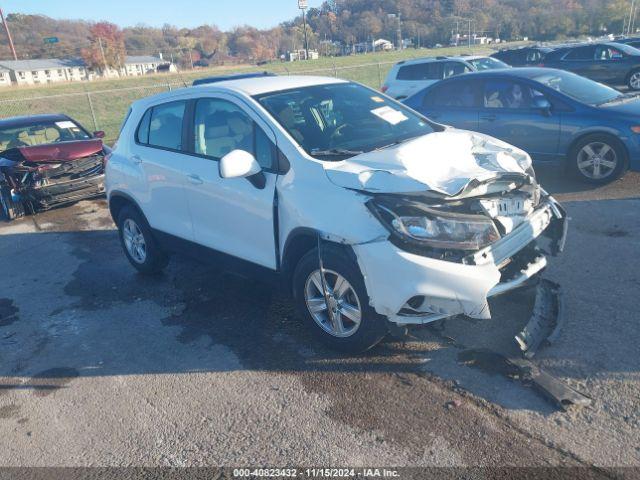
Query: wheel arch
point(608, 133)
point(118, 200)
point(300, 241)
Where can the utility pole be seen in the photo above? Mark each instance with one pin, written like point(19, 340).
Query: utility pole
point(191, 58)
point(6, 29)
point(302, 5)
point(104, 59)
point(469, 34)
point(633, 2)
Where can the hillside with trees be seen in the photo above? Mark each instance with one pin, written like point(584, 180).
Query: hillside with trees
point(336, 22)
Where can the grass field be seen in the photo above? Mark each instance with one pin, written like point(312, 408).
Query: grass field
point(102, 104)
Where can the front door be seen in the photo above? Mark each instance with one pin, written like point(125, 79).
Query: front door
point(231, 215)
point(510, 114)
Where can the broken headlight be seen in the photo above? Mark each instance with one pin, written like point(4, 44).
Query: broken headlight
point(419, 225)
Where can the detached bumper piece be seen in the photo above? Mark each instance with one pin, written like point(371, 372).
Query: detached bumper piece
point(552, 388)
point(544, 325)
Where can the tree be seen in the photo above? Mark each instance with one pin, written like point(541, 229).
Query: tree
point(107, 48)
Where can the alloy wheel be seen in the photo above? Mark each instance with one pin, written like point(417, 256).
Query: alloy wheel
point(597, 160)
point(134, 241)
point(340, 314)
point(634, 81)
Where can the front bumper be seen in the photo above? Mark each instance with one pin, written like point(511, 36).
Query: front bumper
point(410, 289)
point(69, 191)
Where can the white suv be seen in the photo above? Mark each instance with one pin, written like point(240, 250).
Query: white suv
point(410, 76)
point(373, 215)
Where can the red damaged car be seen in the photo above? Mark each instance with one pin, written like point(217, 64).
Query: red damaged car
point(46, 161)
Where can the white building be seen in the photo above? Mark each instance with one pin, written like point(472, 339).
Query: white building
point(5, 77)
point(142, 65)
point(41, 71)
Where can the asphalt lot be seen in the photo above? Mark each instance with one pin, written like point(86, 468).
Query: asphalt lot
point(102, 367)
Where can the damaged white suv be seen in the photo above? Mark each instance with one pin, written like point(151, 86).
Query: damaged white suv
point(374, 216)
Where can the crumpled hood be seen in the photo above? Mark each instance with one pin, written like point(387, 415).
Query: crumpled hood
point(443, 162)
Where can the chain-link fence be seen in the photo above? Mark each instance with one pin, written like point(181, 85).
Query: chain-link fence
point(105, 109)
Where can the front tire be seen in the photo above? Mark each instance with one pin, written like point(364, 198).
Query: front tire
point(9, 207)
point(345, 322)
point(138, 242)
point(597, 159)
point(633, 81)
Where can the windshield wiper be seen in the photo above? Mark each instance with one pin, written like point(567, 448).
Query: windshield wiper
point(336, 152)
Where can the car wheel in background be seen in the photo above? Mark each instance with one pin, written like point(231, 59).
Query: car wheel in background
point(344, 321)
point(10, 209)
point(597, 159)
point(138, 243)
point(633, 81)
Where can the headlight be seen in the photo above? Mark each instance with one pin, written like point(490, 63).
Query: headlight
point(420, 225)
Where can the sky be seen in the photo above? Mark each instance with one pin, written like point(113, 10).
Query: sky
point(181, 13)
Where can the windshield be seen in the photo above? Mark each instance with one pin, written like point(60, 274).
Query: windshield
point(579, 88)
point(41, 133)
point(343, 119)
point(628, 49)
point(487, 63)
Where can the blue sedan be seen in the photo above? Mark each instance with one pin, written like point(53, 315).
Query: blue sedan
point(554, 115)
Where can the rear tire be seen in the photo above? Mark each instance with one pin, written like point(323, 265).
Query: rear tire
point(597, 159)
point(361, 327)
point(139, 245)
point(9, 207)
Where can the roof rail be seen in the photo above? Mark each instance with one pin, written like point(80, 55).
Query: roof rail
point(236, 76)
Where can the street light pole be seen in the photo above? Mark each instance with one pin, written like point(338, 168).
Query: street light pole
point(6, 29)
point(302, 5)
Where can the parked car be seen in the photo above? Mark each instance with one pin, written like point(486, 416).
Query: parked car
point(523, 56)
point(409, 76)
point(554, 115)
point(47, 161)
point(607, 62)
point(371, 214)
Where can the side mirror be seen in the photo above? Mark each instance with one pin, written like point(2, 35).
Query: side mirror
point(241, 164)
point(542, 104)
point(98, 134)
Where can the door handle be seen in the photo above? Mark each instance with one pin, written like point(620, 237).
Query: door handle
point(195, 179)
point(488, 118)
point(136, 159)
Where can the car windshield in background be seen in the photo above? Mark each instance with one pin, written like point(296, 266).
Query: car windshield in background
point(335, 121)
point(628, 49)
point(41, 133)
point(487, 63)
point(579, 88)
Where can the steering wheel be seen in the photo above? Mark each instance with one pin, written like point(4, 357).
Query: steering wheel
point(338, 132)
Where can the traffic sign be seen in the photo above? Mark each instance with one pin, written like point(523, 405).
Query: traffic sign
point(302, 4)
point(51, 40)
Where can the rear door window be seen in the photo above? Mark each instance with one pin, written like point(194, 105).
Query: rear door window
point(452, 69)
point(165, 126)
point(581, 53)
point(421, 71)
point(459, 94)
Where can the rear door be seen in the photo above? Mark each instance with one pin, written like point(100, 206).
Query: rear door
point(580, 60)
point(158, 150)
point(231, 215)
point(508, 113)
point(455, 102)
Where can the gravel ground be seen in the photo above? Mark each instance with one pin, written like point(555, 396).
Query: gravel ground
point(102, 367)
